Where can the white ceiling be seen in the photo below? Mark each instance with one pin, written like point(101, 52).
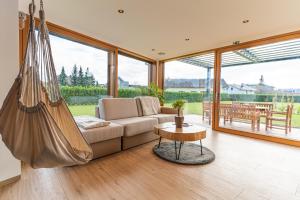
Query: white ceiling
point(164, 24)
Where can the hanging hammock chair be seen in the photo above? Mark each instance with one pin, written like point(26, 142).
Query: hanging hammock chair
point(35, 122)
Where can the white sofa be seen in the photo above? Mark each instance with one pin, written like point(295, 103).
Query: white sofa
point(104, 140)
point(137, 120)
point(131, 124)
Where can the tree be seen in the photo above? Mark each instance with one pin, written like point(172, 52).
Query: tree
point(89, 79)
point(92, 80)
point(86, 77)
point(63, 77)
point(74, 76)
point(81, 79)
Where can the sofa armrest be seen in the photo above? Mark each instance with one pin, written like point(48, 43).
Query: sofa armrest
point(168, 110)
point(97, 112)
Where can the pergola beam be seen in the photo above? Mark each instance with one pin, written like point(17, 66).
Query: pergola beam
point(247, 54)
point(265, 61)
point(197, 63)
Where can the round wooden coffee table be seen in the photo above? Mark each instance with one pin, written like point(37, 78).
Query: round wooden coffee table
point(188, 133)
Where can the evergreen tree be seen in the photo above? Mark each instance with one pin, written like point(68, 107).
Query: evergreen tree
point(92, 80)
point(63, 77)
point(81, 79)
point(86, 77)
point(74, 76)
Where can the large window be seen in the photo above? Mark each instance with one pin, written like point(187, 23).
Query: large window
point(261, 93)
point(190, 79)
point(133, 76)
point(82, 74)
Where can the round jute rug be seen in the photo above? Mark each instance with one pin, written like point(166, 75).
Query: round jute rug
point(190, 153)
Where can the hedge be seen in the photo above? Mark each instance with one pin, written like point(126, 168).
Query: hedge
point(82, 95)
point(132, 92)
point(79, 95)
point(90, 95)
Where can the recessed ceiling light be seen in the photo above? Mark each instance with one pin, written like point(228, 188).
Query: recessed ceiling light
point(187, 39)
point(161, 53)
point(121, 11)
point(245, 21)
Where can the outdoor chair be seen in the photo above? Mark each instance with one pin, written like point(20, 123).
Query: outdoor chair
point(285, 117)
point(264, 108)
point(224, 111)
point(207, 110)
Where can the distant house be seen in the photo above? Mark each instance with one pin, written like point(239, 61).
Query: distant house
point(263, 88)
point(260, 88)
point(290, 91)
point(199, 84)
point(238, 89)
point(122, 83)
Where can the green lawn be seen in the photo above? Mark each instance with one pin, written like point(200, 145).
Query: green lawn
point(77, 110)
point(190, 108)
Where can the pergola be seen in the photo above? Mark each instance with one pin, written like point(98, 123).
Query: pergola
point(287, 50)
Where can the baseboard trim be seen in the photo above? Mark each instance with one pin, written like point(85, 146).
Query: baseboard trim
point(10, 180)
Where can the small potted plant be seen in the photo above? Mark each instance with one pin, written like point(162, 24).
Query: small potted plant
point(179, 118)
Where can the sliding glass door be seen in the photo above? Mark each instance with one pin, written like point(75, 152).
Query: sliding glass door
point(191, 79)
point(259, 90)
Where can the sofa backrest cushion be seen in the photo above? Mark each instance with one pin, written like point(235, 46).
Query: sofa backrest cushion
point(139, 106)
point(118, 108)
point(150, 105)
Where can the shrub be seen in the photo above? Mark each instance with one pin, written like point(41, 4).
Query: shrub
point(91, 94)
point(132, 92)
point(82, 95)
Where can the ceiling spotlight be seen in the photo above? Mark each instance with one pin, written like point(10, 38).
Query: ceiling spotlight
point(236, 42)
point(152, 49)
point(245, 21)
point(187, 39)
point(121, 11)
point(161, 53)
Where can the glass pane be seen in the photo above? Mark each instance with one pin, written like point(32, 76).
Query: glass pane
point(260, 89)
point(133, 77)
point(82, 74)
point(191, 79)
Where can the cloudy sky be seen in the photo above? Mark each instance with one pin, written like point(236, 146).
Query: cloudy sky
point(283, 74)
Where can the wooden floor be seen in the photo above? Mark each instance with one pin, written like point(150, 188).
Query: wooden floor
point(293, 135)
point(244, 169)
point(246, 126)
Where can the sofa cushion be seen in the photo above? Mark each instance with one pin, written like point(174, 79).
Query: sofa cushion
point(162, 118)
point(136, 125)
point(118, 108)
point(89, 122)
point(150, 105)
point(103, 133)
point(139, 106)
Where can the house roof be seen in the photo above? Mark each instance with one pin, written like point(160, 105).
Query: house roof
point(190, 83)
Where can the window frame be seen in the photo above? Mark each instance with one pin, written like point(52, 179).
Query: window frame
point(113, 52)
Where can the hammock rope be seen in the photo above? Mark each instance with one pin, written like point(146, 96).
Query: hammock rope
point(47, 67)
point(35, 122)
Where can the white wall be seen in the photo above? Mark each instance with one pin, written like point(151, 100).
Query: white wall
point(9, 55)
